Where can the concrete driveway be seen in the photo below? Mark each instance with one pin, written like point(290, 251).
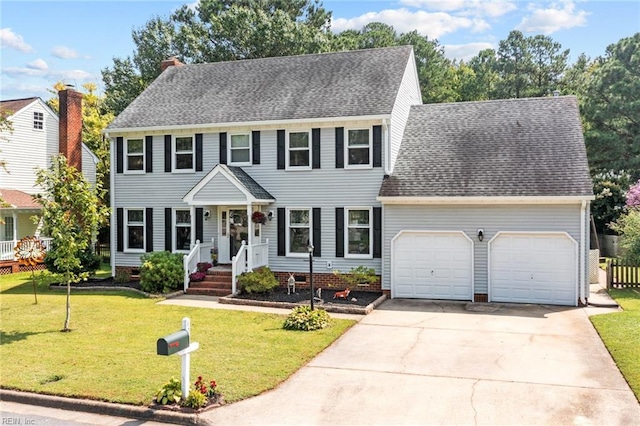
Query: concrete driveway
point(424, 362)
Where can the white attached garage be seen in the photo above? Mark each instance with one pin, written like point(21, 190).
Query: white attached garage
point(533, 268)
point(432, 265)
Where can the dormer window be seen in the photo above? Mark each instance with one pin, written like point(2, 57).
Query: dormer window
point(38, 120)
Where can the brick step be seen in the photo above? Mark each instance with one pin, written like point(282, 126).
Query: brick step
point(210, 284)
point(209, 291)
point(222, 279)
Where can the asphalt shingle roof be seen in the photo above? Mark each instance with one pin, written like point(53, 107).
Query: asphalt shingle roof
point(343, 84)
point(15, 105)
point(515, 147)
point(18, 199)
point(252, 186)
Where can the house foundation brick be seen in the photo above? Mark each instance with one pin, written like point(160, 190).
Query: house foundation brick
point(322, 280)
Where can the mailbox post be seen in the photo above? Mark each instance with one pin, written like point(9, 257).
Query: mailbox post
point(180, 343)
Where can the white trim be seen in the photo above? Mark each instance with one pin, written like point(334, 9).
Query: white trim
point(125, 228)
point(288, 150)
point(407, 231)
point(221, 169)
point(288, 253)
point(113, 234)
point(125, 154)
point(41, 121)
point(219, 127)
point(42, 103)
point(369, 165)
point(346, 233)
point(230, 149)
point(174, 153)
point(174, 226)
point(583, 254)
point(485, 200)
point(532, 233)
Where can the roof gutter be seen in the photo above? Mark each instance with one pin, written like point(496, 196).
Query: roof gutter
point(486, 200)
point(255, 123)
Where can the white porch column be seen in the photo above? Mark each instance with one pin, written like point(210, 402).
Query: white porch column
point(250, 226)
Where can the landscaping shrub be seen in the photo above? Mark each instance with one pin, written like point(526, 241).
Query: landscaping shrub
point(195, 400)
point(258, 281)
point(360, 276)
point(89, 262)
point(303, 318)
point(170, 393)
point(161, 272)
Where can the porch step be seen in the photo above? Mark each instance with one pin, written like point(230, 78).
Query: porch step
point(217, 282)
point(216, 292)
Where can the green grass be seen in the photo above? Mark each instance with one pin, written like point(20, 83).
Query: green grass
point(110, 354)
point(620, 332)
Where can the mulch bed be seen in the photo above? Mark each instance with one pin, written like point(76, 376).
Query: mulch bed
point(356, 298)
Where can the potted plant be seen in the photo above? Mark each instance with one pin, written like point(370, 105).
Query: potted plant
point(259, 217)
point(214, 256)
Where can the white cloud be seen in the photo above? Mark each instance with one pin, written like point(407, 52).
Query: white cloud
point(64, 52)
point(433, 25)
point(72, 75)
point(57, 75)
point(38, 64)
point(465, 52)
point(10, 39)
point(27, 72)
point(465, 7)
point(553, 19)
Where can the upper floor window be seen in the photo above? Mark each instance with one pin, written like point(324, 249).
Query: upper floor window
point(38, 120)
point(240, 149)
point(135, 155)
point(135, 229)
point(183, 153)
point(358, 239)
point(182, 223)
point(299, 150)
point(358, 148)
point(299, 231)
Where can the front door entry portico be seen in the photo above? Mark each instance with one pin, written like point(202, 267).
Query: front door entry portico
point(238, 230)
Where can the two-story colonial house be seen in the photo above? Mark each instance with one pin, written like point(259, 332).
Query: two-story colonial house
point(38, 134)
point(338, 153)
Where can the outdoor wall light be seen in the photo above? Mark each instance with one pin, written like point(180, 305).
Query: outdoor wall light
point(270, 215)
point(480, 234)
point(206, 214)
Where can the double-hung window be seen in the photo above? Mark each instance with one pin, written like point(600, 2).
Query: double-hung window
point(299, 150)
point(38, 120)
point(135, 229)
point(240, 149)
point(359, 148)
point(182, 226)
point(359, 237)
point(299, 231)
point(183, 154)
point(135, 156)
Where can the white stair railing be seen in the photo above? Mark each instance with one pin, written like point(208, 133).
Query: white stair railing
point(239, 264)
point(190, 263)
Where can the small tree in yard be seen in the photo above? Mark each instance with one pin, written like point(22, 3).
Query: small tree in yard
point(628, 226)
point(71, 214)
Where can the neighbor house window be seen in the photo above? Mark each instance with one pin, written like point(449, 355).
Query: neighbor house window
point(299, 231)
point(240, 149)
point(8, 229)
point(358, 148)
point(135, 155)
point(182, 220)
point(38, 120)
point(358, 239)
point(135, 229)
point(184, 153)
point(299, 150)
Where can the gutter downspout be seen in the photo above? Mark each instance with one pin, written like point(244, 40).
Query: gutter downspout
point(387, 154)
point(582, 251)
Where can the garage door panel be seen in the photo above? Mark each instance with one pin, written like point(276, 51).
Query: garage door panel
point(530, 268)
point(440, 266)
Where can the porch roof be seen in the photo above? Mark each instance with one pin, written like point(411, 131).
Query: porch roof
point(227, 185)
point(18, 199)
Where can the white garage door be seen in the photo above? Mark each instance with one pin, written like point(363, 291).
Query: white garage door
point(533, 268)
point(432, 265)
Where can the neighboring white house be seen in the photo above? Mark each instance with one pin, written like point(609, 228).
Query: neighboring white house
point(31, 144)
point(338, 152)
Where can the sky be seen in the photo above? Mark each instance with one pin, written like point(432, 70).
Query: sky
point(43, 42)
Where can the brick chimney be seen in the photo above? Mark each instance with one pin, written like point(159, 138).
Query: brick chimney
point(70, 127)
point(171, 62)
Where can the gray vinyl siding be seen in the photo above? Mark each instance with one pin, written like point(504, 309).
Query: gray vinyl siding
point(408, 94)
point(470, 218)
point(88, 165)
point(219, 188)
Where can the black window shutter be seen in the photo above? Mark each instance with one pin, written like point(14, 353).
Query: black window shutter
point(317, 233)
point(148, 154)
point(167, 153)
point(149, 228)
point(119, 154)
point(339, 232)
point(377, 146)
point(255, 141)
point(168, 229)
point(198, 152)
point(315, 148)
point(377, 232)
point(223, 148)
point(281, 149)
point(282, 222)
point(120, 229)
point(339, 147)
point(199, 222)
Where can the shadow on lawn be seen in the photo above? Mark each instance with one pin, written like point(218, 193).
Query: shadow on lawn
point(6, 338)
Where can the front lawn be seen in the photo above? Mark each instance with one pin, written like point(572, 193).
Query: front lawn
point(620, 332)
point(111, 353)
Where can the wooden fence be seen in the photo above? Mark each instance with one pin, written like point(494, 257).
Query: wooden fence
point(620, 275)
point(103, 250)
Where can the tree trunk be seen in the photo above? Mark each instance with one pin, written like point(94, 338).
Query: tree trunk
point(68, 318)
point(33, 280)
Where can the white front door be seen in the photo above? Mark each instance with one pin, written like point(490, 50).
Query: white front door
point(234, 228)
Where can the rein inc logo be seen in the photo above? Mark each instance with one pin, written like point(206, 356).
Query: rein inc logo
point(17, 421)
